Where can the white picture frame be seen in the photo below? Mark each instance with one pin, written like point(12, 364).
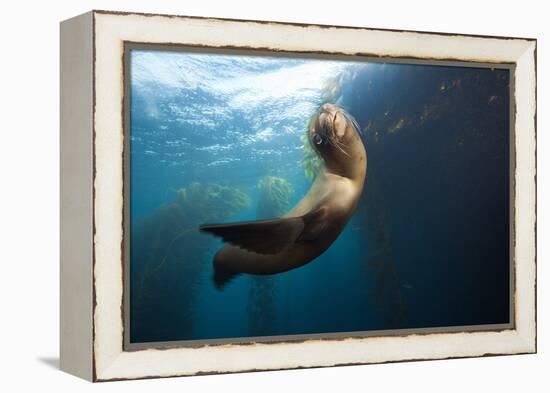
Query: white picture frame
point(92, 195)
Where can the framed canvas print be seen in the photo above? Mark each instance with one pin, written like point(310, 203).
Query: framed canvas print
point(245, 195)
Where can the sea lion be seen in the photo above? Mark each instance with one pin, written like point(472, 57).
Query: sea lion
point(307, 230)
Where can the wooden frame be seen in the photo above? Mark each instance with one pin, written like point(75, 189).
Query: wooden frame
point(92, 190)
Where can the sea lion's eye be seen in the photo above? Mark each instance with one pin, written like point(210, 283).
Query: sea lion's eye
point(318, 139)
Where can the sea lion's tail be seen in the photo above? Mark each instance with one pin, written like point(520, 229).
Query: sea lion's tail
point(222, 276)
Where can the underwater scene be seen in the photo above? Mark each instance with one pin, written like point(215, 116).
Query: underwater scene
point(223, 145)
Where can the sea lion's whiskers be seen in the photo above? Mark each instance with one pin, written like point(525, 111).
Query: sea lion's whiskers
point(339, 145)
point(329, 126)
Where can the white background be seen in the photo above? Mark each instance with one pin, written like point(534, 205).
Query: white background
point(29, 181)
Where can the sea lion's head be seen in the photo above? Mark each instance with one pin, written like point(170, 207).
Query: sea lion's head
point(334, 134)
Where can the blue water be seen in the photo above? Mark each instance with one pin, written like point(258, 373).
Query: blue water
point(427, 247)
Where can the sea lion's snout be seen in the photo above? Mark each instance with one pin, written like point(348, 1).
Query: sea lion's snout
point(328, 126)
point(334, 134)
point(324, 121)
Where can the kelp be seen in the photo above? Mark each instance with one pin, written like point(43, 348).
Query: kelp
point(210, 202)
point(261, 309)
point(380, 261)
point(431, 100)
point(275, 194)
point(331, 89)
point(419, 140)
point(168, 257)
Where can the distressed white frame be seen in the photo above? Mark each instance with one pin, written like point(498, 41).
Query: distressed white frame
point(111, 30)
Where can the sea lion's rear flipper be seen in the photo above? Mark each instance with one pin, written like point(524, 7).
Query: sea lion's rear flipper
point(270, 236)
point(223, 276)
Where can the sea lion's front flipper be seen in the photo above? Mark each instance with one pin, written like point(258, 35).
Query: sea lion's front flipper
point(269, 236)
point(263, 237)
